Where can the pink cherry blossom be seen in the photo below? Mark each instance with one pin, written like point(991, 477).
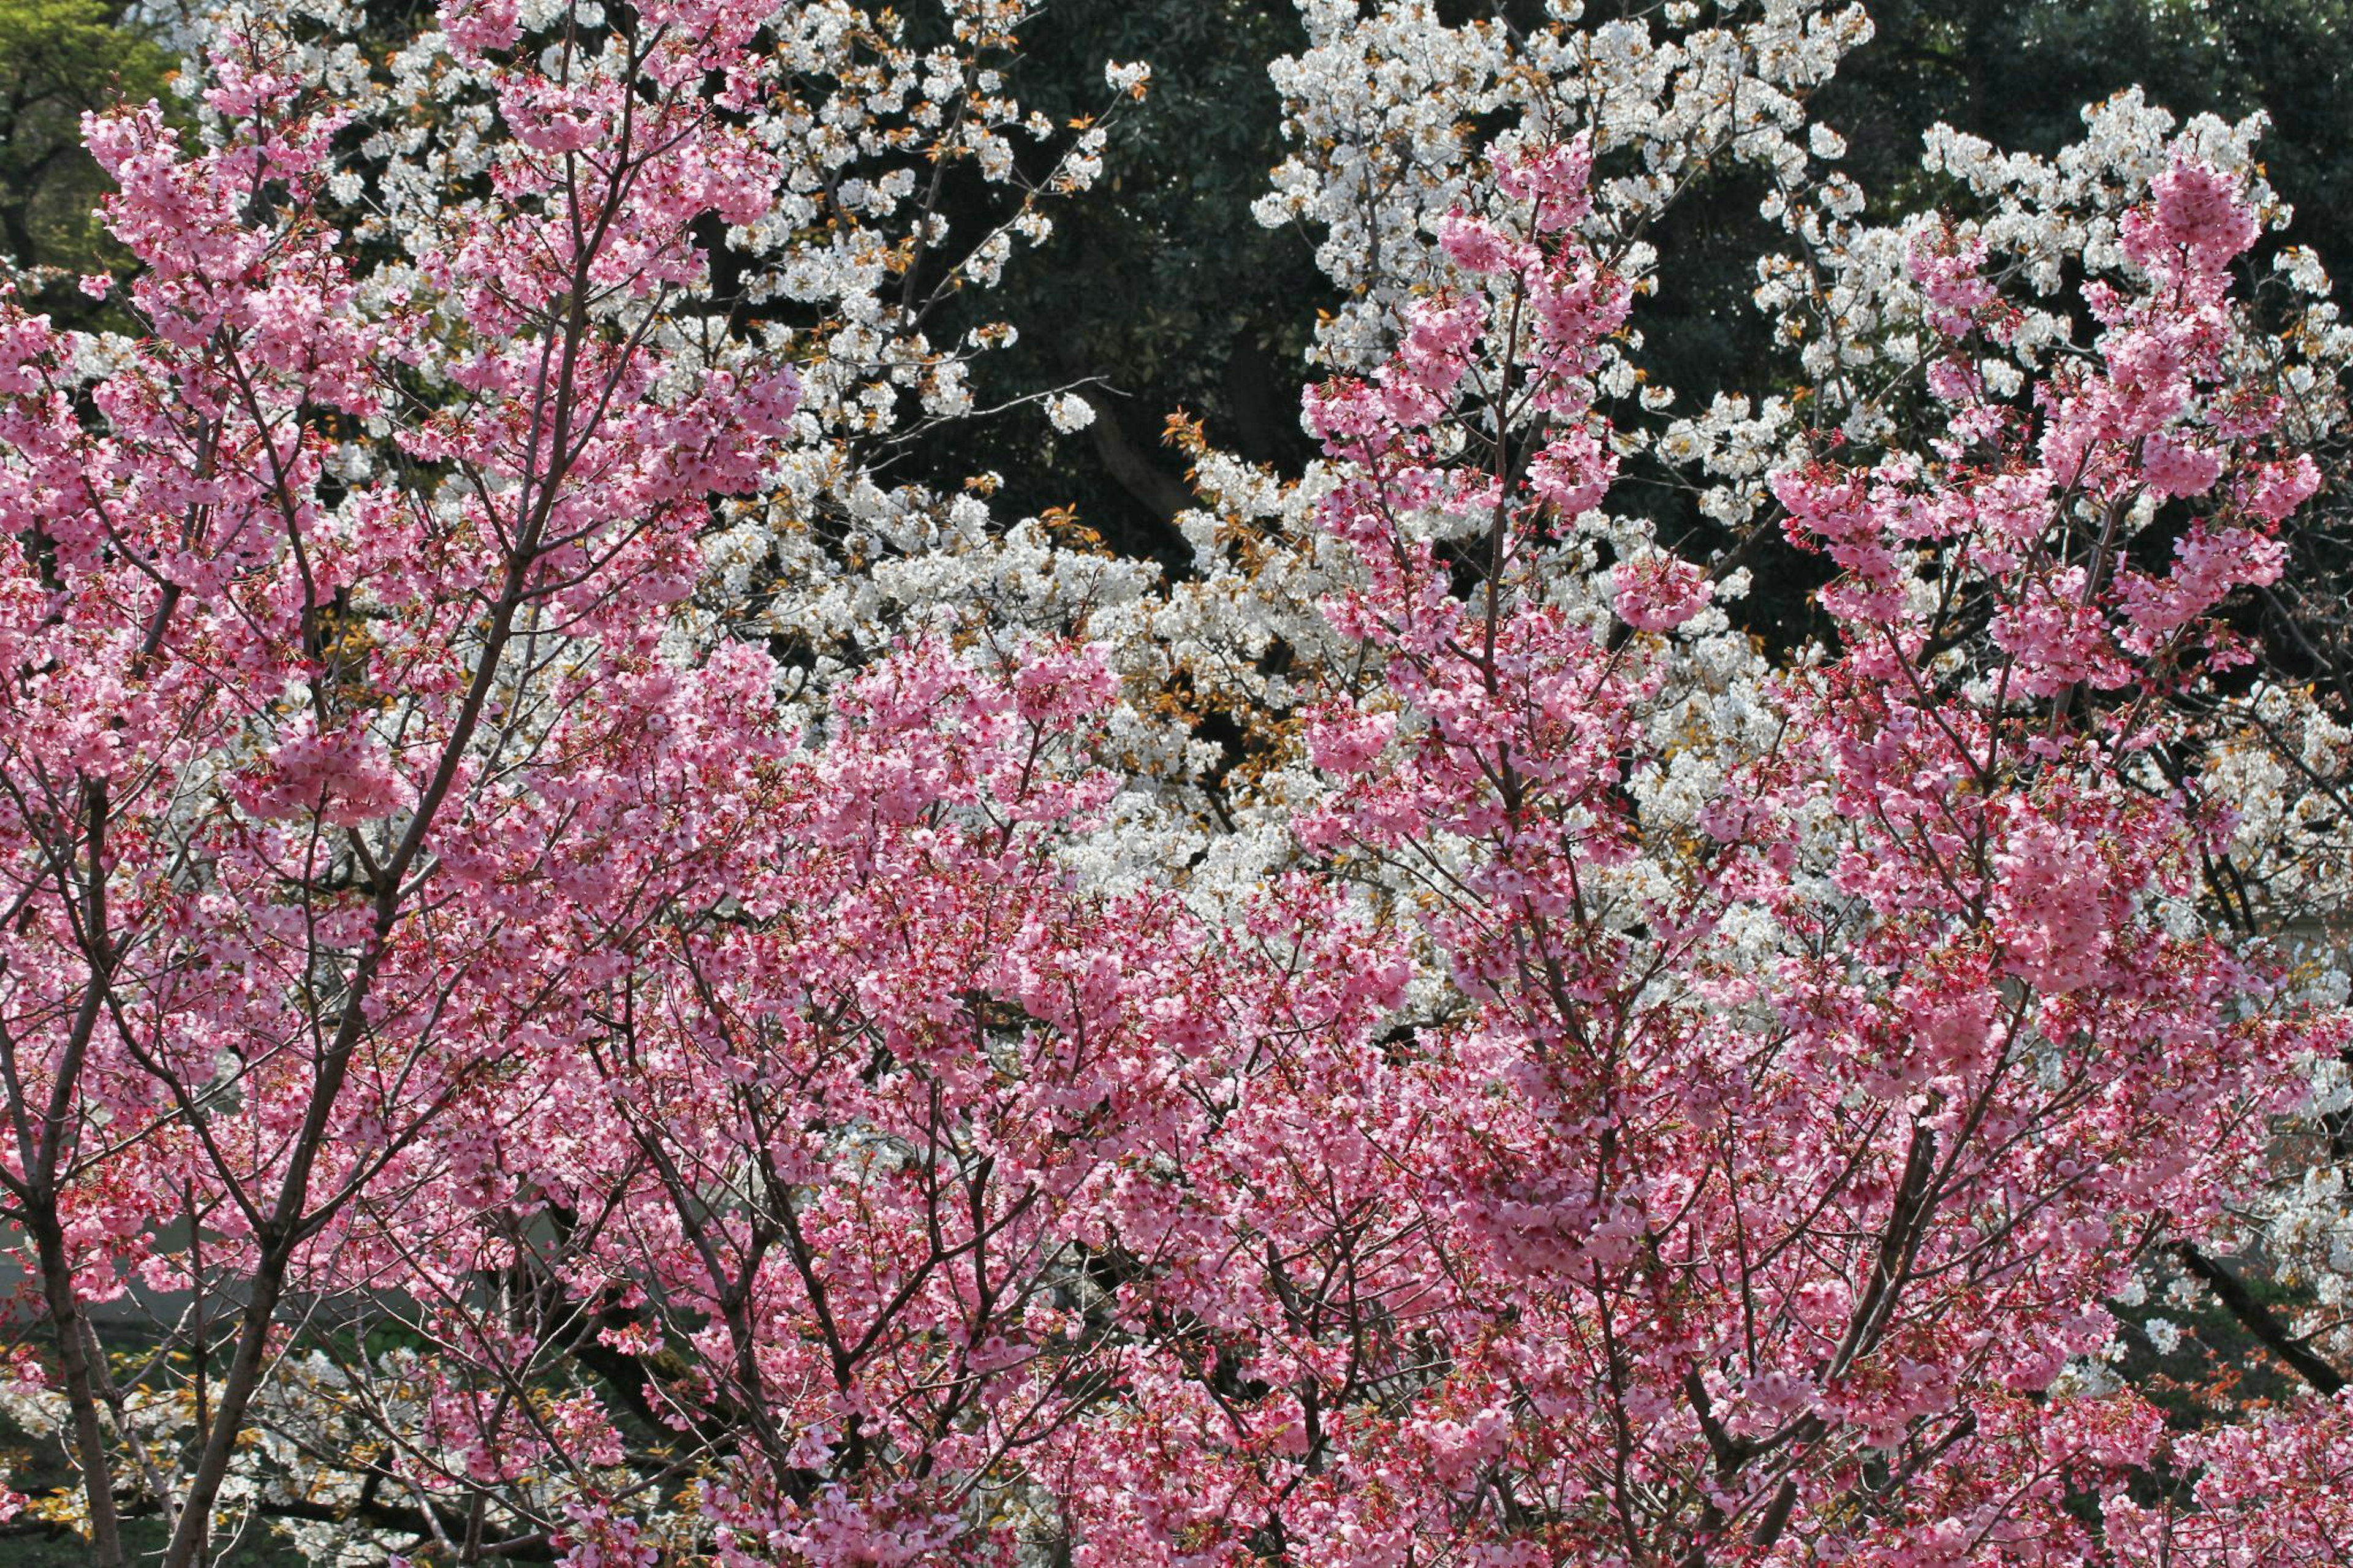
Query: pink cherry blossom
point(637, 1080)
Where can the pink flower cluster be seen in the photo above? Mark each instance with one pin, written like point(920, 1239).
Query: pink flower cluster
point(785, 1148)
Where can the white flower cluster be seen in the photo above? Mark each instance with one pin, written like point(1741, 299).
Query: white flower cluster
point(1379, 101)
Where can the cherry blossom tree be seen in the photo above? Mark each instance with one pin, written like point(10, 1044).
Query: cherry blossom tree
point(636, 994)
point(1840, 1084)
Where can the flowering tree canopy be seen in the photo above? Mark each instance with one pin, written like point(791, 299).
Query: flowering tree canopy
point(623, 971)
